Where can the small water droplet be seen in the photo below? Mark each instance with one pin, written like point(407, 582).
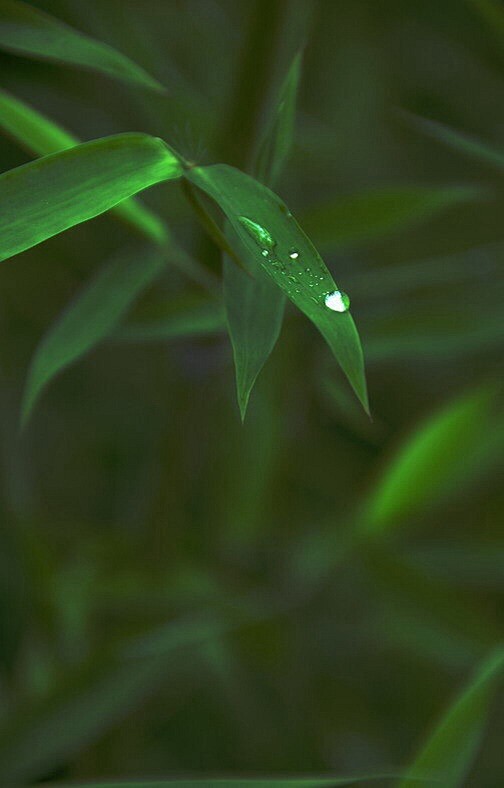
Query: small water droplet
point(265, 252)
point(259, 233)
point(293, 254)
point(337, 301)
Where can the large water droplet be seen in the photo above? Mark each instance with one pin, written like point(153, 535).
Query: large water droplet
point(338, 301)
point(259, 233)
point(294, 254)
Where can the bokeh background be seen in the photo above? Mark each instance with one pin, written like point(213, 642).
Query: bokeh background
point(175, 593)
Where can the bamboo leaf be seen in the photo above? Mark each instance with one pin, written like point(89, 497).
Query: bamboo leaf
point(25, 30)
point(229, 782)
point(464, 143)
point(180, 318)
point(90, 318)
point(45, 197)
point(42, 136)
point(432, 461)
point(275, 242)
point(372, 214)
point(452, 747)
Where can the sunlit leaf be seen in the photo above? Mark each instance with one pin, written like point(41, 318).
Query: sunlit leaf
point(275, 241)
point(457, 140)
point(254, 305)
point(25, 30)
point(94, 313)
point(372, 214)
point(42, 136)
point(452, 747)
point(45, 197)
point(434, 459)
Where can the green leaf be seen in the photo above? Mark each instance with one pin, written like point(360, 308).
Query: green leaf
point(271, 782)
point(254, 306)
point(431, 462)
point(451, 748)
point(45, 197)
point(179, 318)
point(457, 140)
point(277, 141)
point(372, 214)
point(283, 250)
point(90, 318)
point(25, 30)
point(42, 136)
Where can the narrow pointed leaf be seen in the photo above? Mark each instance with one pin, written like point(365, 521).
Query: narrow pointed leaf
point(42, 136)
point(452, 747)
point(277, 141)
point(45, 197)
point(91, 317)
point(457, 140)
point(372, 214)
point(254, 306)
point(432, 461)
point(25, 30)
point(283, 250)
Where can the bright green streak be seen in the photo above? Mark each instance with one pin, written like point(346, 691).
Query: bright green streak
point(258, 233)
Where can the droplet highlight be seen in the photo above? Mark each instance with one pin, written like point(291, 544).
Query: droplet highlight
point(337, 301)
point(294, 254)
point(259, 234)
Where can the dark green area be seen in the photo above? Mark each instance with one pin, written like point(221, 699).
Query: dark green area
point(312, 593)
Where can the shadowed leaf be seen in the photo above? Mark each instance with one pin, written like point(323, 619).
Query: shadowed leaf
point(25, 30)
point(90, 317)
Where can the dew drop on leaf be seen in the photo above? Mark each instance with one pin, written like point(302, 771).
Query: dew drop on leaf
point(294, 254)
point(259, 233)
point(337, 301)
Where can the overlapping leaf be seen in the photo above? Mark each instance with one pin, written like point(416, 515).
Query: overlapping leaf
point(294, 264)
point(27, 31)
point(45, 197)
point(40, 135)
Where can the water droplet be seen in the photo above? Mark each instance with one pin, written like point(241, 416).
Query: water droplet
point(258, 233)
point(265, 252)
point(337, 301)
point(293, 254)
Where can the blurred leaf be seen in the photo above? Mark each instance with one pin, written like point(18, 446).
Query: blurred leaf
point(91, 317)
point(229, 782)
point(457, 140)
point(42, 136)
point(254, 306)
point(452, 747)
point(277, 140)
point(89, 702)
point(292, 260)
point(435, 458)
point(493, 12)
point(45, 197)
point(27, 31)
point(181, 318)
point(369, 215)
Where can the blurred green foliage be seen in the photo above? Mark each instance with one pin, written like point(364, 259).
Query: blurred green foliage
point(308, 592)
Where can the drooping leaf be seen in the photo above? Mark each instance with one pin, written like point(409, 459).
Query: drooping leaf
point(254, 306)
point(434, 459)
point(45, 197)
point(452, 747)
point(180, 318)
point(275, 242)
point(42, 136)
point(372, 214)
point(25, 30)
point(457, 140)
point(91, 317)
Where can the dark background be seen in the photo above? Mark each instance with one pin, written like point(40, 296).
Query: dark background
point(136, 498)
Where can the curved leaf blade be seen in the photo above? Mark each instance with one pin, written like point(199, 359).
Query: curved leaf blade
point(239, 195)
point(432, 461)
point(40, 135)
point(50, 195)
point(27, 31)
point(451, 748)
point(193, 317)
point(90, 318)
